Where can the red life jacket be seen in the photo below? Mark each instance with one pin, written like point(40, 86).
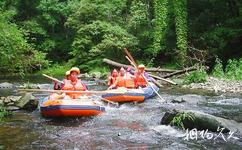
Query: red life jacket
point(140, 81)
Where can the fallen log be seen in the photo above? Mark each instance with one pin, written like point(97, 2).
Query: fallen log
point(113, 63)
point(180, 72)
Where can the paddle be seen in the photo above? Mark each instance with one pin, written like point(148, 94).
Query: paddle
point(132, 59)
point(106, 100)
point(147, 81)
point(78, 92)
point(52, 78)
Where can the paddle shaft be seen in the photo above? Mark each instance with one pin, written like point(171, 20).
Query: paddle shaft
point(106, 100)
point(132, 63)
point(69, 91)
point(52, 78)
point(135, 64)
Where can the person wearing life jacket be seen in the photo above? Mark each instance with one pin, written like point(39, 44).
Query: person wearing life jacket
point(120, 82)
point(140, 81)
point(58, 86)
point(74, 84)
point(112, 79)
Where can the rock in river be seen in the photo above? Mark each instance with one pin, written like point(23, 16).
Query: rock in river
point(189, 98)
point(203, 121)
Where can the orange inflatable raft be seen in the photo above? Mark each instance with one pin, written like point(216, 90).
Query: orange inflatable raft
point(70, 107)
point(131, 95)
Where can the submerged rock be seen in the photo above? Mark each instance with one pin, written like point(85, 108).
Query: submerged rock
point(203, 121)
point(189, 98)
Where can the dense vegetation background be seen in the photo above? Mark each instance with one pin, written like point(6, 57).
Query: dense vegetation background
point(38, 34)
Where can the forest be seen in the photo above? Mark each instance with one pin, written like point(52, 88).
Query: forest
point(42, 34)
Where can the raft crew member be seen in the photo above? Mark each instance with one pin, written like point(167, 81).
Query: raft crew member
point(124, 80)
point(74, 84)
point(120, 82)
point(58, 86)
point(112, 79)
point(139, 79)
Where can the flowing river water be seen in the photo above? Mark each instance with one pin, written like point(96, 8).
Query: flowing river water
point(128, 126)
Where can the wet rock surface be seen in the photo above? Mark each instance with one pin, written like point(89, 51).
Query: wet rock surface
point(189, 98)
point(26, 101)
point(203, 121)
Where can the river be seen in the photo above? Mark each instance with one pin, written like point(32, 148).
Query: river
point(128, 126)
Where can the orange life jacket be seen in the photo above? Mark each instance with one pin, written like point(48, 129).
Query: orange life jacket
point(77, 86)
point(140, 81)
point(129, 82)
point(120, 81)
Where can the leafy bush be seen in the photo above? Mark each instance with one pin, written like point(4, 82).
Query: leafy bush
point(233, 69)
point(218, 69)
point(179, 119)
point(198, 76)
point(56, 70)
point(16, 55)
point(4, 113)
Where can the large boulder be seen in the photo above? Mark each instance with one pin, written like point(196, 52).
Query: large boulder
point(27, 101)
point(203, 121)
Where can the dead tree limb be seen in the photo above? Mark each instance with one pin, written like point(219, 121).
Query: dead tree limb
point(180, 72)
point(113, 63)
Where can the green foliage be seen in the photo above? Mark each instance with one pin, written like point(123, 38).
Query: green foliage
point(82, 32)
point(55, 70)
point(233, 69)
point(97, 40)
point(16, 55)
point(198, 76)
point(160, 14)
point(4, 113)
point(180, 11)
point(218, 69)
point(179, 119)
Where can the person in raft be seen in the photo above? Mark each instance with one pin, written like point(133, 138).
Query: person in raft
point(124, 80)
point(74, 84)
point(58, 86)
point(112, 79)
point(140, 81)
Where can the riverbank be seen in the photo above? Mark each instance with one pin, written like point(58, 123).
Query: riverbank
point(217, 85)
